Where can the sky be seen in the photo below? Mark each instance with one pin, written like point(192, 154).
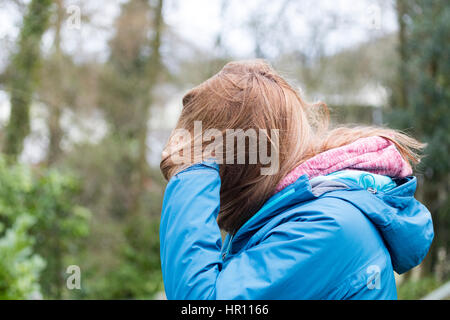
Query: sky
point(199, 22)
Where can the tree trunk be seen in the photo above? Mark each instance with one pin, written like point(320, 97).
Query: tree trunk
point(55, 106)
point(24, 67)
point(154, 69)
point(402, 49)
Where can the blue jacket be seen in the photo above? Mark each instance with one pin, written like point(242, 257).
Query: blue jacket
point(336, 237)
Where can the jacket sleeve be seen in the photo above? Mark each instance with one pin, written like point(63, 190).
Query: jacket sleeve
point(191, 260)
point(190, 239)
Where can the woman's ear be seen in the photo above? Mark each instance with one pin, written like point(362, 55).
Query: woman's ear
point(187, 98)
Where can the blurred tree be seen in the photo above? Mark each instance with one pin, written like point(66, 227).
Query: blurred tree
point(422, 104)
point(154, 69)
point(402, 7)
point(123, 260)
point(55, 107)
point(24, 64)
point(65, 86)
point(127, 82)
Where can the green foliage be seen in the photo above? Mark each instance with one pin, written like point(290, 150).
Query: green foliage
point(137, 273)
point(122, 254)
point(61, 227)
point(413, 289)
point(429, 70)
point(20, 267)
point(42, 226)
point(426, 64)
point(428, 85)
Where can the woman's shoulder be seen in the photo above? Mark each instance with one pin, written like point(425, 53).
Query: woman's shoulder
point(330, 237)
point(331, 223)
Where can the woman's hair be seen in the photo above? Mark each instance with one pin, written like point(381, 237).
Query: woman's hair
point(251, 95)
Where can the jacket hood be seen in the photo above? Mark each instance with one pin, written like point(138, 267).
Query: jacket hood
point(404, 223)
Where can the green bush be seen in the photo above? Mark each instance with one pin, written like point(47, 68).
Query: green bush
point(61, 228)
point(136, 273)
point(20, 267)
point(41, 228)
point(413, 289)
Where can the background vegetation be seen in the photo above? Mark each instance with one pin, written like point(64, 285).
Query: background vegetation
point(81, 132)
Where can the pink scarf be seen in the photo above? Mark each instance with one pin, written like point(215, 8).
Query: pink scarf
point(373, 154)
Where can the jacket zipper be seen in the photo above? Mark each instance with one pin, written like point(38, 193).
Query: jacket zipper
point(228, 247)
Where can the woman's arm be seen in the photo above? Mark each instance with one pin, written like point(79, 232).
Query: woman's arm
point(190, 237)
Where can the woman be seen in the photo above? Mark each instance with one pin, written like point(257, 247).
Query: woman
point(333, 220)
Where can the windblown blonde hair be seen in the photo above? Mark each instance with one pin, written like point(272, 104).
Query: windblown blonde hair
point(251, 95)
